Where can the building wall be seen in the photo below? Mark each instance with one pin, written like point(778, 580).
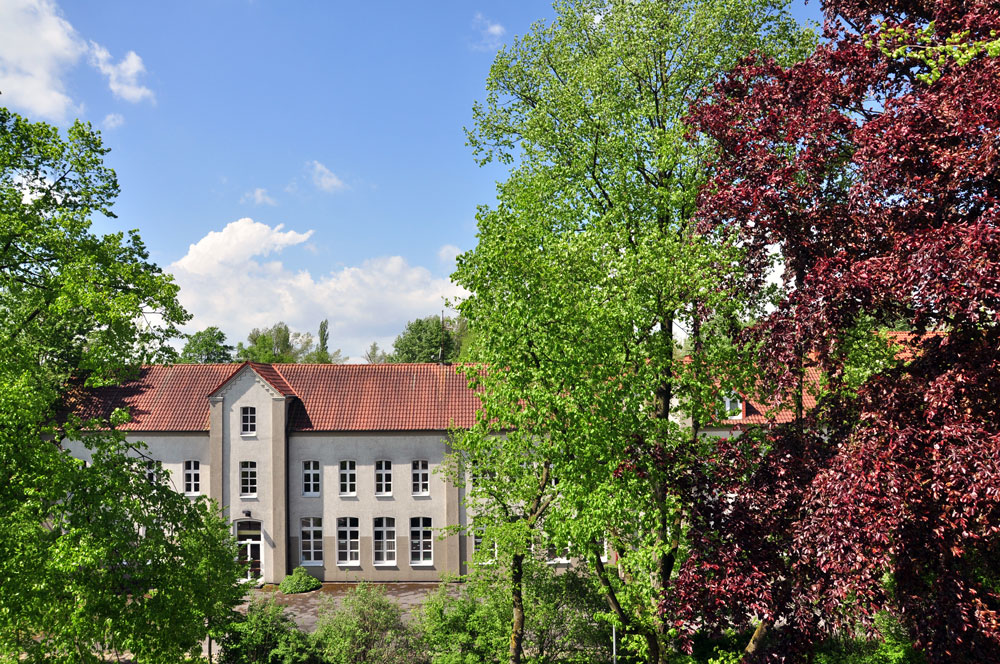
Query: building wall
point(401, 448)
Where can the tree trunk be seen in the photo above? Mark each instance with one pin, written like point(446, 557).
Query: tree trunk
point(755, 641)
point(517, 621)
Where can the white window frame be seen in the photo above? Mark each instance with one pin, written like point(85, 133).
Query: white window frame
point(421, 541)
point(311, 554)
point(478, 537)
point(248, 420)
point(383, 477)
point(348, 477)
point(382, 528)
point(733, 403)
point(348, 541)
point(152, 474)
point(248, 477)
point(312, 483)
point(420, 477)
point(192, 477)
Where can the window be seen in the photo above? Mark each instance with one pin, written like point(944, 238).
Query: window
point(248, 420)
point(310, 478)
point(421, 478)
point(348, 478)
point(192, 477)
point(383, 478)
point(348, 542)
point(733, 407)
point(421, 543)
point(312, 541)
point(248, 478)
point(151, 472)
point(384, 542)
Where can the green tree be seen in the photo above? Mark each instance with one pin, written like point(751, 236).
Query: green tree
point(321, 354)
point(206, 347)
point(367, 627)
point(430, 339)
point(92, 558)
point(375, 355)
point(587, 274)
point(275, 344)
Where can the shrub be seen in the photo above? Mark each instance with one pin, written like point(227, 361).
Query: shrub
point(368, 627)
point(265, 636)
point(299, 581)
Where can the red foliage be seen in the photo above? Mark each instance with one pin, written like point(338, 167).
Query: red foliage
point(883, 193)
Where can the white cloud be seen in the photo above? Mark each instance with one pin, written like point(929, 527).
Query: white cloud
point(490, 34)
point(222, 283)
point(37, 47)
point(123, 78)
point(258, 197)
point(113, 120)
point(448, 253)
point(323, 177)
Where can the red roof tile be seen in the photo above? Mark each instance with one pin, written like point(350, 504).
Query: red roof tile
point(330, 397)
point(161, 398)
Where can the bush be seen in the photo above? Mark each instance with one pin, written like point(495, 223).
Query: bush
point(472, 623)
point(299, 581)
point(266, 636)
point(368, 627)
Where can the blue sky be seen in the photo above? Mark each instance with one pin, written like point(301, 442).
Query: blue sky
point(284, 160)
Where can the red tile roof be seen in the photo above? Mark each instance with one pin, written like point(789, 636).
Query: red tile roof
point(161, 398)
point(326, 397)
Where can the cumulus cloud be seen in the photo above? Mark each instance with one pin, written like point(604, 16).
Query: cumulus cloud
point(123, 77)
point(39, 47)
point(323, 177)
point(226, 281)
point(489, 33)
point(258, 197)
point(113, 120)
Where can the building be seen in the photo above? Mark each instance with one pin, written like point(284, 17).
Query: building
point(333, 467)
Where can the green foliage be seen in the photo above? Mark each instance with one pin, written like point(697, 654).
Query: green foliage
point(367, 627)
point(92, 558)
point(279, 344)
point(428, 339)
point(375, 355)
point(589, 271)
point(266, 635)
point(471, 623)
point(206, 347)
point(299, 581)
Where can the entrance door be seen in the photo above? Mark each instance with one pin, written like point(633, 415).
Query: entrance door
point(249, 539)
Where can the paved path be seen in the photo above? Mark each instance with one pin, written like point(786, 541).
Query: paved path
point(304, 607)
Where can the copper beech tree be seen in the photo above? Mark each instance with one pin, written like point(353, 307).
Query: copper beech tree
point(872, 167)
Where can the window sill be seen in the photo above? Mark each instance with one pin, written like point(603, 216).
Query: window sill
point(248, 496)
point(192, 494)
point(421, 495)
point(348, 495)
point(248, 434)
point(312, 563)
point(383, 495)
point(389, 564)
point(429, 563)
point(310, 495)
point(354, 564)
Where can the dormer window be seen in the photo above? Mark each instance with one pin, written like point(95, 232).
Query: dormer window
point(733, 407)
point(248, 419)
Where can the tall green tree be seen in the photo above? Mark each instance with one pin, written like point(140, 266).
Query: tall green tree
point(92, 558)
point(430, 339)
point(587, 274)
point(321, 354)
point(206, 347)
point(274, 344)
